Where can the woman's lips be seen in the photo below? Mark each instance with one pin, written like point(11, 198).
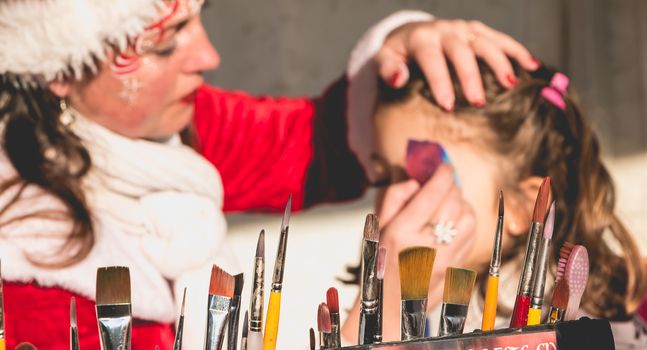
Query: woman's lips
point(189, 98)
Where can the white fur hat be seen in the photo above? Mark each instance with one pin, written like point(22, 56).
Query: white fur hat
point(44, 40)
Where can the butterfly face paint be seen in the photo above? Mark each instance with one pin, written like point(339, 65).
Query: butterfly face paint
point(423, 159)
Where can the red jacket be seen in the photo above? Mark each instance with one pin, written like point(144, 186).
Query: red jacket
point(265, 149)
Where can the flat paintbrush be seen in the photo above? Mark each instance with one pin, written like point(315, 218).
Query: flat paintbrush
point(74, 330)
point(368, 317)
point(221, 290)
point(559, 301)
point(234, 313)
point(255, 335)
point(459, 284)
point(416, 264)
point(274, 305)
point(332, 299)
point(177, 344)
point(114, 311)
point(492, 292)
point(522, 302)
point(541, 266)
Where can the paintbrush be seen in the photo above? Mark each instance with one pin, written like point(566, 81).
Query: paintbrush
point(559, 301)
point(74, 330)
point(234, 313)
point(416, 264)
point(243, 335)
point(522, 302)
point(313, 341)
point(381, 267)
point(255, 335)
point(274, 306)
point(541, 266)
point(368, 317)
point(325, 327)
point(177, 344)
point(459, 284)
point(332, 299)
point(492, 292)
point(576, 275)
point(25, 346)
point(114, 311)
point(221, 290)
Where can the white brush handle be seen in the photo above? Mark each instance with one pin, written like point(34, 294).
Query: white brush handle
point(254, 341)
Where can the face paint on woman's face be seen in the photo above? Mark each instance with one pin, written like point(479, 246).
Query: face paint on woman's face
point(150, 94)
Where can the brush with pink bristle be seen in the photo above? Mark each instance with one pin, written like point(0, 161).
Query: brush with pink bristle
point(570, 282)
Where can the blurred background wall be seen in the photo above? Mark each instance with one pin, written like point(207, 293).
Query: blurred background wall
point(297, 47)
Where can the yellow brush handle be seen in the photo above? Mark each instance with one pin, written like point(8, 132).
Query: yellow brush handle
point(272, 321)
point(491, 297)
point(3, 346)
point(534, 316)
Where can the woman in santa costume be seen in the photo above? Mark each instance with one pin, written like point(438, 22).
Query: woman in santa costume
point(94, 172)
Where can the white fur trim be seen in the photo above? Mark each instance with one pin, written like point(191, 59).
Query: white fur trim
point(43, 40)
point(362, 73)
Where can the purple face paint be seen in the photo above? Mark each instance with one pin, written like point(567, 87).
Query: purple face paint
point(424, 158)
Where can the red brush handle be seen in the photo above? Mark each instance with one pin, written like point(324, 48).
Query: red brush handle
point(520, 312)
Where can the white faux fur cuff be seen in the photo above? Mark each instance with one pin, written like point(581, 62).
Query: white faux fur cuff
point(362, 73)
point(46, 40)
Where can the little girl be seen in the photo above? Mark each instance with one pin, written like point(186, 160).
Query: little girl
point(511, 143)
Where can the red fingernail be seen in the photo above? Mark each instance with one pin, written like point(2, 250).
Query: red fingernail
point(394, 78)
point(536, 61)
point(512, 79)
point(479, 103)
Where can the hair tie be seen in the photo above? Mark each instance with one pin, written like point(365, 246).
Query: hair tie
point(555, 92)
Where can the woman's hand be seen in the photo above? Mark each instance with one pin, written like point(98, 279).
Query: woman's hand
point(431, 43)
point(408, 215)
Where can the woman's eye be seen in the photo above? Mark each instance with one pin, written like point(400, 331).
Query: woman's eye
point(165, 51)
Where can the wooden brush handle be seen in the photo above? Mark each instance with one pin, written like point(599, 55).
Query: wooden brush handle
point(491, 300)
point(272, 322)
point(534, 316)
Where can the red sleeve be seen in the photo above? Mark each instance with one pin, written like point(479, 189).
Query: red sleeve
point(267, 148)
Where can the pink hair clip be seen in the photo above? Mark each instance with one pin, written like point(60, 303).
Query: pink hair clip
point(556, 90)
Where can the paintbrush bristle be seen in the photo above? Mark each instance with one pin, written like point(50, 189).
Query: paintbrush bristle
point(381, 263)
point(183, 301)
point(371, 228)
point(245, 325)
point(260, 245)
point(113, 285)
point(550, 222)
point(564, 253)
point(238, 285)
point(416, 264)
point(323, 319)
point(221, 282)
point(501, 204)
point(25, 346)
point(560, 295)
point(541, 204)
point(458, 285)
point(286, 214)
point(313, 342)
point(332, 299)
point(73, 312)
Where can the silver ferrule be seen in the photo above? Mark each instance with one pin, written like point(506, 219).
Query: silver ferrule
point(335, 336)
point(414, 315)
point(232, 328)
point(495, 261)
point(115, 326)
point(368, 323)
point(256, 310)
point(177, 344)
point(452, 319)
point(254, 340)
point(74, 338)
point(525, 282)
point(323, 341)
point(539, 277)
point(556, 315)
point(369, 275)
point(217, 314)
point(279, 264)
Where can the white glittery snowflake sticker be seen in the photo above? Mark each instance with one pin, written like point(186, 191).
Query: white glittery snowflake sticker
point(445, 232)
